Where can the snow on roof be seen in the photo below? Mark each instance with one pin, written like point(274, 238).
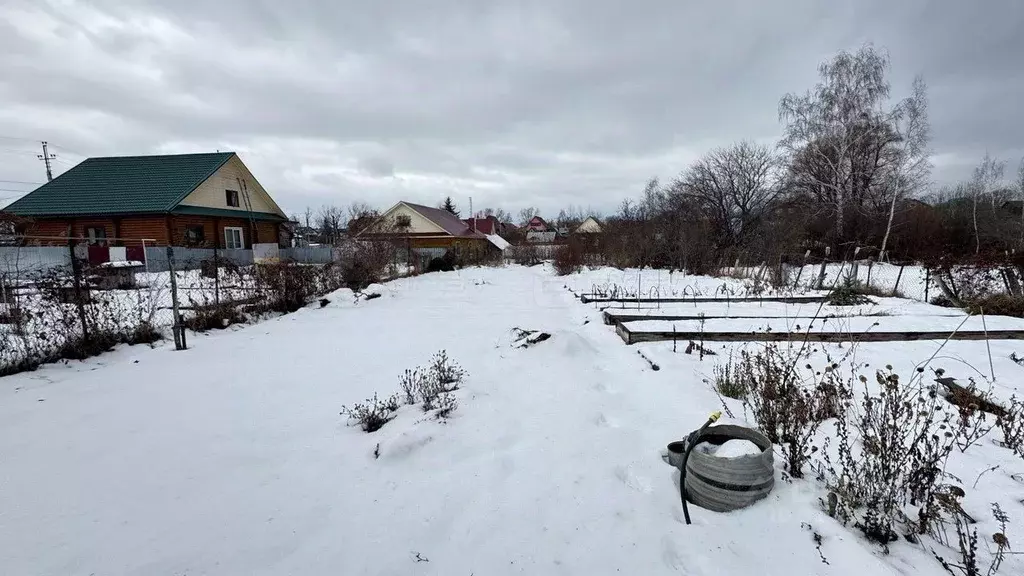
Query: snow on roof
point(498, 241)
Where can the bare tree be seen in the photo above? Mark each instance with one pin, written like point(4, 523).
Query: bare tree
point(987, 176)
point(527, 214)
point(359, 209)
point(1020, 195)
point(308, 215)
point(733, 187)
point(360, 215)
point(843, 142)
point(502, 216)
point(330, 221)
point(911, 169)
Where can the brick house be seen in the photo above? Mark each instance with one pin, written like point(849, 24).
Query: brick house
point(196, 200)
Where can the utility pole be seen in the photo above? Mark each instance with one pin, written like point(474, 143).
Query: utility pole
point(46, 157)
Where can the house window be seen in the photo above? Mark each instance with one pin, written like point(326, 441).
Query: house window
point(97, 235)
point(194, 235)
point(233, 238)
point(231, 196)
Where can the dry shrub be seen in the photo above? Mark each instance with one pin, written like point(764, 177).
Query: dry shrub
point(568, 259)
point(434, 386)
point(906, 433)
point(727, 383)
point(525, 254)
point(287, 286)
point(366, 263)
point(786, 402)
point(213, 317)
point(997, 305)
point(372, 414)
point(1011, 423)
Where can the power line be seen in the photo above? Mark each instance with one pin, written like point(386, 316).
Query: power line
point(66, 149)
point(15, 138)
point(20, 182)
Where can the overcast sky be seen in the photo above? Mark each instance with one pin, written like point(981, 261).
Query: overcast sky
point(511, 102)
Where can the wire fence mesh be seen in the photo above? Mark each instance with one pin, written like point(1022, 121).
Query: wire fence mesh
point(77, 300)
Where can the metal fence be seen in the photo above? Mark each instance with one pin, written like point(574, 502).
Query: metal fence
point(26, 261)
point(309, 254)
point(32, 259)
point(905, 280)
point(54, 306)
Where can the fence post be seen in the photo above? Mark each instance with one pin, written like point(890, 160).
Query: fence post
point(216, 273)
point(821, 273)
point(899, 275)
point(871, 263)
point(76, 273)
point(176, 327)
point(927, 281)
point(796, 282)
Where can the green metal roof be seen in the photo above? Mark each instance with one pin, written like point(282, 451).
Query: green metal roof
point(226, 213)
point(121, 185)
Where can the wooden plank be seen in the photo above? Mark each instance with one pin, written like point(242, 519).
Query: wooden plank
point(631, 337)
point(588, 299)
point(611, 318)
point(623, 333)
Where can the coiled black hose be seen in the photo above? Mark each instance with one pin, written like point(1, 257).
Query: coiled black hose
point(691, 440)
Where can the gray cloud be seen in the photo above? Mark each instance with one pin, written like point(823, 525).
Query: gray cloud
point(544, 103)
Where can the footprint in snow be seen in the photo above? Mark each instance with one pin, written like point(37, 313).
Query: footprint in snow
point(671, 555)
point(626, 475)
point(604, 422)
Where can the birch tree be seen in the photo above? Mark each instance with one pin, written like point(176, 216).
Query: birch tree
point(847, 149)
point(911, 172)
point(986, 178)
point(1020, 195)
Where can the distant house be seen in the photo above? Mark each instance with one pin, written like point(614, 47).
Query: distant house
point(589, 226)
point(537, 224)
point(489, 225)
point(537, 237)
point(200, 200)
point(423, 229)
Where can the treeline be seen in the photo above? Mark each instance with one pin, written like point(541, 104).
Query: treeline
point(851, 170)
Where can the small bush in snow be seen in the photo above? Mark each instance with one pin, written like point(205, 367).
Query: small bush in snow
point(431, 389)
point(411, 382)
point(786, 403)
point(568, 259)
point(851, 293)
point(1011, 422)
point(447, 372)
point(906, 432)
point(446, 404)
point(726, 382)
point(967, 543)
point(373, 414)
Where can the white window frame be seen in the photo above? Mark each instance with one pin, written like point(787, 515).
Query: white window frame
point(97, 235)
point(229, 241)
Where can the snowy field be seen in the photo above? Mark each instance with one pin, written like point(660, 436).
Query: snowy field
point(231, 458)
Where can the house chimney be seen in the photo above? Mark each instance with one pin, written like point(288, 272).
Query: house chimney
point(472, 216)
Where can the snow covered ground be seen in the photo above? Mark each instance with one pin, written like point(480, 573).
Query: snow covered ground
point(231, 457)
